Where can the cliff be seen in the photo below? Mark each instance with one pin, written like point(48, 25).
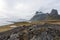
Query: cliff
point(53, 15)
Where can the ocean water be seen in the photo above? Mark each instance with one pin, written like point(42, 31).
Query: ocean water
point(7, 21)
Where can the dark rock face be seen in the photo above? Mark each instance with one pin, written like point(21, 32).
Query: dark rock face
point(34, 32)
point(46, 16)
point(54, 12)
point(39, 17)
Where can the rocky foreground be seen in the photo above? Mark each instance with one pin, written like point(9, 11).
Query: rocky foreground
point(33, 32)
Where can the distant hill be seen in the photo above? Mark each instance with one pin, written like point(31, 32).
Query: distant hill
point(53, 15)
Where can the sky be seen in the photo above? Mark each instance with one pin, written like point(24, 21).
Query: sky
point(25, 9)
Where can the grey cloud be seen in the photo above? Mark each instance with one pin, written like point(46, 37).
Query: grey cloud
point(27, 9)
point(35, 5)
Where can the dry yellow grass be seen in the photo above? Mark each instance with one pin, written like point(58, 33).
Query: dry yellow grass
point(18, 24)
point(5, 28)
point(46, 21)
point(8, 27)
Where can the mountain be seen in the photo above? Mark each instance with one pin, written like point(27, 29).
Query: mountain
point(8, 21)
point(53, 15)
point(17, 20)
point(40, 16)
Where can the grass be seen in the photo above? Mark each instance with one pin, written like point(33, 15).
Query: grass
point(5, 28)
point(46, 21)
point(18, 24)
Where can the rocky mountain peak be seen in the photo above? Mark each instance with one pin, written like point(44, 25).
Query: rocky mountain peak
point(44, 16)
point(54, 12)
point(39, 12)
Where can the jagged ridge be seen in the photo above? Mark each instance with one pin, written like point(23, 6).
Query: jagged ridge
point(46, 16)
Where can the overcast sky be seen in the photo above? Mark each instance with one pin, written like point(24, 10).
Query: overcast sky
point(25, 9)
